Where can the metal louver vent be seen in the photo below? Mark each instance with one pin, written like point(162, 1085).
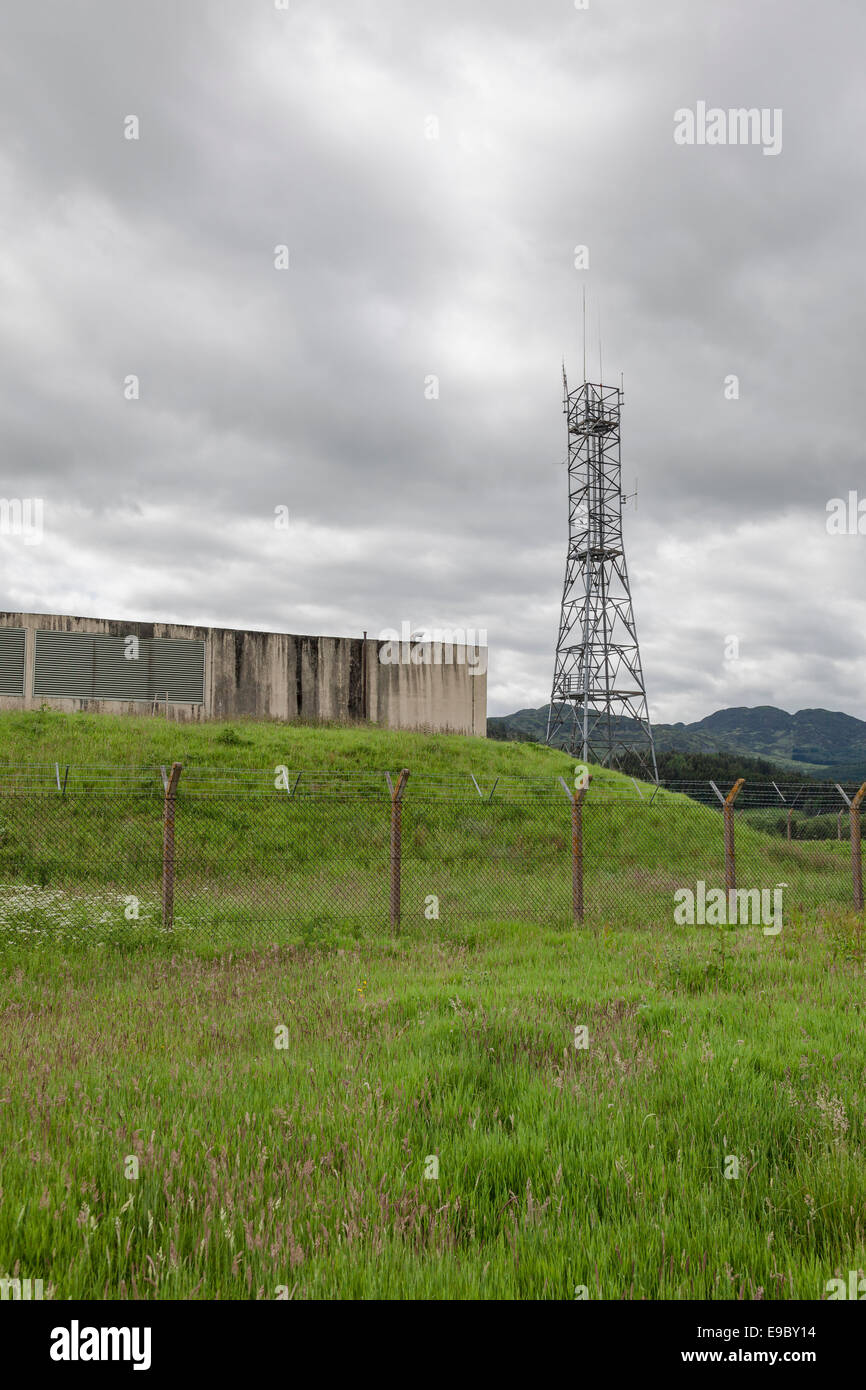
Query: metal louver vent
point(64, 664)
point(11, 661)
point(117, 676)
point(98, 666)
point(177, 670)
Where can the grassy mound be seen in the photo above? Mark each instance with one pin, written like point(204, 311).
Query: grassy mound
point(256, 863)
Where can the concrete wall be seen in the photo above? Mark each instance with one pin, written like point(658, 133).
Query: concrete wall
point(274, 675)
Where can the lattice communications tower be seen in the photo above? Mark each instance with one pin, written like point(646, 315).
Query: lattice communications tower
point(598, 705)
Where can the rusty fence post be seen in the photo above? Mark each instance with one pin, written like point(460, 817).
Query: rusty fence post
point(728, 816)
point(577, 854)
point(856, 853)
point(576, 798)
point(168, 845)
point(397, 844)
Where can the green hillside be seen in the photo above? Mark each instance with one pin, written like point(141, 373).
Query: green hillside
point(252, 861)
point(47, 737)
point(813, 742)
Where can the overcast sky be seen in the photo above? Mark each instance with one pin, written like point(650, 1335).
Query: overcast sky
point(431, 168)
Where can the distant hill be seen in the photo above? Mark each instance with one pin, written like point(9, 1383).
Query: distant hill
point(815, 742)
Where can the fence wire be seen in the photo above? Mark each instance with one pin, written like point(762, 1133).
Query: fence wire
point(87, 851)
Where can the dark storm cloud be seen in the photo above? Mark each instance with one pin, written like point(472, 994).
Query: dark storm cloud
point(450, 257)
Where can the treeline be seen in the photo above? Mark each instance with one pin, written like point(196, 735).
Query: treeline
point(721, 768)
point(809, 810)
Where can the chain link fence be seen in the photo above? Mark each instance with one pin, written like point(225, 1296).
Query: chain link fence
point(278, 855)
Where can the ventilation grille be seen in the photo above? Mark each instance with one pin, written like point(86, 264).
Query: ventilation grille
point(11, 661)
point(96, 666)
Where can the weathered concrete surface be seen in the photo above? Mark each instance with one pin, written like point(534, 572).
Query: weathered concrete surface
point(441, 696)
point(275, 675)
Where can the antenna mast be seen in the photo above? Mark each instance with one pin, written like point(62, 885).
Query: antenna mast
point(598, 705)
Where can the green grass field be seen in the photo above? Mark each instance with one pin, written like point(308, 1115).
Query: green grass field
point(254, 1114)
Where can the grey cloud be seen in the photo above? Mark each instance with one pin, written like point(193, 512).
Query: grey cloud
point(453, 257)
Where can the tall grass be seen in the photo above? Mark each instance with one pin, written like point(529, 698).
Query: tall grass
point(302, 1167)
point(155, 1142)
